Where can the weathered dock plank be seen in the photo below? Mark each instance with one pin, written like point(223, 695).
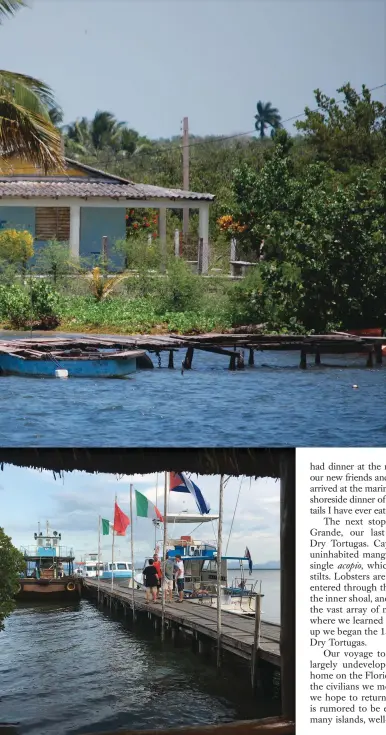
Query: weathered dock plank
point(237, 632)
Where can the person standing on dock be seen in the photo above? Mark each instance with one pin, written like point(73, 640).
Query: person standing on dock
point(151, 582)
point(180, 577)
point(167, 582)
point(157, 565)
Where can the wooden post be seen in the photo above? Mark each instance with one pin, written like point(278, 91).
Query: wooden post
point(166, 488)
point(176, 243)
point(132, 551)
point(233, 248)
point(370, 358)
point(185, 173)
point(303, 358)
point(317, 355)
point(240, 360)
point(99, 555)
point(219, 556)
point(378, 353)
point(232, 362)
point(104, 253)
point(287, 581)
point(256, 642)
point(171, 360)
point(162, 237)
point(187, 364)
point(251, 359)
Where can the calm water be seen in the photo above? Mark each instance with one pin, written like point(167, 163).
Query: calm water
point(273, 404)
point(75, 670)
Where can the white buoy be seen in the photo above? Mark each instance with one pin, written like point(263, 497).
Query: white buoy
point(355, 387)
point(61, 373)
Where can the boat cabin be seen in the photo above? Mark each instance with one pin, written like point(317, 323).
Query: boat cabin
point(47, 558)
point(123, 569)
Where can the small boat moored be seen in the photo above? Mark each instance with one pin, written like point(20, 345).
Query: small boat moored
point(52, 358)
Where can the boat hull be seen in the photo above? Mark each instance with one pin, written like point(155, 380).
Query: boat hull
point(66, 588)
point(114, 367)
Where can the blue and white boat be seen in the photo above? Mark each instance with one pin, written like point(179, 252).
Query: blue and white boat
point(44, 361)
point(117, 569)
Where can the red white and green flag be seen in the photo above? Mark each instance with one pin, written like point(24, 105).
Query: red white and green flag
point(146, 509)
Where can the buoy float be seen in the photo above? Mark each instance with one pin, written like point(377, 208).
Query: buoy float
point(355, 386)
point(70, 587)
point(61, 373)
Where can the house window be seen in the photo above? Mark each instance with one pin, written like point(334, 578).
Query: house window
point(52, 223)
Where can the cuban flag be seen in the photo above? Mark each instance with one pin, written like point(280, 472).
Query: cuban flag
point(180, 483)
point(248, 556)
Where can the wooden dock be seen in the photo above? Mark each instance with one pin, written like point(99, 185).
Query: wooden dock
point(230, 345)
point(200, 621)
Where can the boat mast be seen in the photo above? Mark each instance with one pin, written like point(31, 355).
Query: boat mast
point(219, 564)
point(99, 553)
point(155, 522)
point(164, 552)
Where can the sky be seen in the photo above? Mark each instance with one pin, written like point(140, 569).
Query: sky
point(73, 503)
point(152, 62)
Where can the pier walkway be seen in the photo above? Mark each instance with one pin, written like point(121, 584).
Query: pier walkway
point(237, 632)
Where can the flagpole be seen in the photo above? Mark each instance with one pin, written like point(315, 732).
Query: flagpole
point(164, 555)
point(112, 550)
point(99, 553)
point(219, 561)
point(156, 505)
point(132, 549)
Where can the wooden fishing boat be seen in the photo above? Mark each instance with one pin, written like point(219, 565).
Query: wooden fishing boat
point(49, 570)
point(84, 359)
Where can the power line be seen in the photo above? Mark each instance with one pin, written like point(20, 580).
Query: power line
point(175, 146)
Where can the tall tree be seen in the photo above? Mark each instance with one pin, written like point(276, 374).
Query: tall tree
point(26, 130)
point(267, 116)
point(11, 564)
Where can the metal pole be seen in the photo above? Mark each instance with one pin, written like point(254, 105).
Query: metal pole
point(99, 553)
point(219, 561)
point(132, 549)
point(166, 487)
point(156, 505)
point(256, 640)
point(112, 551)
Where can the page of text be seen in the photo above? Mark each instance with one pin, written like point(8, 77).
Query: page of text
point(341, 590)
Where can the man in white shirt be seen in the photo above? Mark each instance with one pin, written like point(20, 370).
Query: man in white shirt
point(180, 578)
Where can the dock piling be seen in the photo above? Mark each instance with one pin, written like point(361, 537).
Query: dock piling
point(256, 644)
point(317, 354)
point(171, 360)
point(370, 358)
point(303, 359)
point(187, 363)
point(240, 360)
point(232, 362)
point(378, 353)
point(251, 359)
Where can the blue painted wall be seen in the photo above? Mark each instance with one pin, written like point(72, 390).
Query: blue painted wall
point(17, 218)
point(94, 224)
point(97, 222)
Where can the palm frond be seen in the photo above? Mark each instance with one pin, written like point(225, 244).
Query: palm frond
point(9, 7)
point(39, 88)
point(26, 134)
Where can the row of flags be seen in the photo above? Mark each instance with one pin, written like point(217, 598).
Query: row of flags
point(179, 483)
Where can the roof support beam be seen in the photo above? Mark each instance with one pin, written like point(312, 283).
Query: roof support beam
point(75, 230)
point(103, 202)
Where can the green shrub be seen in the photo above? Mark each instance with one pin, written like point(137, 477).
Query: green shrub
point(180, 290)
point(15, 306)
point(45, 304)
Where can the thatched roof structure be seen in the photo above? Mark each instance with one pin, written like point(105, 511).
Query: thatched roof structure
point(251, 462)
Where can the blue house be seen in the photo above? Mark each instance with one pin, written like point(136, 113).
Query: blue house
point(82, 205)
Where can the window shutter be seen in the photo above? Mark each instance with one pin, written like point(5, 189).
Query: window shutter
point(52, 223)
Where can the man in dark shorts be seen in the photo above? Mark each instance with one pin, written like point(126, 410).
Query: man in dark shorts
point(151, 581)
point(157, 565)
point(180, 578)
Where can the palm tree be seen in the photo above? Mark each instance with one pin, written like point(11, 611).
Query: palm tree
point(267, 116)
point(26, 130)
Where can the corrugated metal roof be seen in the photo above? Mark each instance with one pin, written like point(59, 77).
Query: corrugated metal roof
point(88, 190)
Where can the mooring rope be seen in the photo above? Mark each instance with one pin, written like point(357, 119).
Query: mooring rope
point(234, 514)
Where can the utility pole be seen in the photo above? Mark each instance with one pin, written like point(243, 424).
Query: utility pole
point(185, 174)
